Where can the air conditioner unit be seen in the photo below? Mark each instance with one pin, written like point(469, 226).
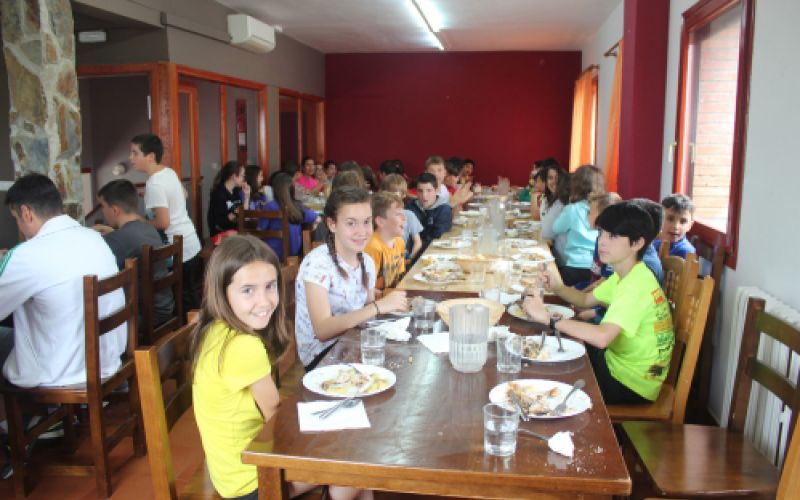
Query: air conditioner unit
point(251, 34)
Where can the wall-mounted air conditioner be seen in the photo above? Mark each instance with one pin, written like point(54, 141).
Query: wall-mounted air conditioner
point(251, 34)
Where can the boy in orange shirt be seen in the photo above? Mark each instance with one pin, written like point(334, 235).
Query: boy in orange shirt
point(386, 247)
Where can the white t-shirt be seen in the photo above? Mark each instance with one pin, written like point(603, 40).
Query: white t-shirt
point(41, 282)
point(164, 190)
point(344, 295)
point(443, 193)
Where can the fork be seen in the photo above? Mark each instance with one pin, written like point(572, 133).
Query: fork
point(558, 337)
point(562, 406)
point(522, 414)
point(345, 403)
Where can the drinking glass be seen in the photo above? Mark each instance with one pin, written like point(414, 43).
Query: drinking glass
point(509, 353)
point(491, 294)
point(477, 272)
point(424, 312)
point(373, 344)
point(500, 430)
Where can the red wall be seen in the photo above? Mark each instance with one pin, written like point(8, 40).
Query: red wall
point(502, 109)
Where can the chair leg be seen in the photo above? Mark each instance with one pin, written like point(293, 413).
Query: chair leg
point(70, 438)
point(17, 442)
point(99, 451)
point(139, 445)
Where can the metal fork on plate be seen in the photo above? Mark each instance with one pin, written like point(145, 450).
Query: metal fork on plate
point(562, 406)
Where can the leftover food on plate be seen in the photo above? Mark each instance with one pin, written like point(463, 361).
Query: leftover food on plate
point(532, 349)
point(534, 402)
point(348, 381)
point(435, 274)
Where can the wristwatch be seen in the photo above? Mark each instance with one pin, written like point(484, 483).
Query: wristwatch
point(553, 323)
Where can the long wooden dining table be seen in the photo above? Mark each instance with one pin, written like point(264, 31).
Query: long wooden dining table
point(426, 433)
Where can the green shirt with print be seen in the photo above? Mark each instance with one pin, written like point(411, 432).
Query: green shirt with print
point(639, 357)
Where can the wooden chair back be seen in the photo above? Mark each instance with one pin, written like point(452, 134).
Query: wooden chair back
point(689, 330)
point(151, 285)
point(750, 369)
point(248, 224)
point(663, 249)
point(168, 358)
point(790, 477)
point(678, 275)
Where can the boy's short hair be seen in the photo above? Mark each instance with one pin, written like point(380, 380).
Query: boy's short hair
point(394, 182)
point(679, 202)
point(352, 178)
point(452, 169)
point(382, 201)
point(389, 167)
point(350, 165)
point(434, 160)
point(120, 193)
point(604, 200)
point(655, 210)
point(150, 143)
point(468, 160)
point(630, 220)
point(38, 193)
point(427, 178)
point(328, 163)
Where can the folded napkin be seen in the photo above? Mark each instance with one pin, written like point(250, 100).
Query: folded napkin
point(343, 418)
point(436, 342)
point(396, 330)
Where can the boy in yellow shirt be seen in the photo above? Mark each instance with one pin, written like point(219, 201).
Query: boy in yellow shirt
point(386, 247)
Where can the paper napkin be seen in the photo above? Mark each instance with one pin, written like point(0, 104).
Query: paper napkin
point(344, 418)
point(396, 330)
point(437, 342)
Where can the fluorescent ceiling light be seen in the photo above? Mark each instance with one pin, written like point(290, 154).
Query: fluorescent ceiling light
point(431, 14)
point(425, 23)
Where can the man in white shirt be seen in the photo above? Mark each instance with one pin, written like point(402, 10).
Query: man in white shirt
point(165, 197)
point(41, 283)
point(435, 165)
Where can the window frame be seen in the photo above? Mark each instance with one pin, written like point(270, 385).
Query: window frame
point(701, 14)
point(303, 98)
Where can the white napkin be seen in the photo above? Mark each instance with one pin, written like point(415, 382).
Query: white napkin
point(496, 332)
point(436, 342)
point(396, 330)
point(344, 418)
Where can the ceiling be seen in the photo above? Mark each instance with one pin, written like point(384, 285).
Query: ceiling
point(343, 26)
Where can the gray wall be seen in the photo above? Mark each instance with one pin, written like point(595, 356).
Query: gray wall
point(125, 46)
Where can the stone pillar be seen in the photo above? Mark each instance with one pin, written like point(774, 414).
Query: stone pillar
point(45, 121)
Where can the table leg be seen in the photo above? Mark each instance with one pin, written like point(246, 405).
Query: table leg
point(271, 485)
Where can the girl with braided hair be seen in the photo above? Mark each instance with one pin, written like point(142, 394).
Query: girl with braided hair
point(335, 287)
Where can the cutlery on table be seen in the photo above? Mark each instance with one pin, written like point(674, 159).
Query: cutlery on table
point(345, 403)
point(534, 434)
point(562, 406)
point(522, 413)
point(558, 334)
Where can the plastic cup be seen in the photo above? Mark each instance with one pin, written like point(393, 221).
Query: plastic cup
point(373, 344)
point(424, 313)
point(509, 353)
point(500, 430)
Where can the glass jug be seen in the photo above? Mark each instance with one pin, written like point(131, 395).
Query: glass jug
point(469, 325)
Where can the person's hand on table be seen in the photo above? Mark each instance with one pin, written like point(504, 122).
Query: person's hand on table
point(535, 308)
point(102, 228)
point(552, 279)
point(395, 301)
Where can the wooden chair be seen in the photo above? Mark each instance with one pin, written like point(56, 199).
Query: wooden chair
point(248, 224)
point(168, 358)
point(715, 255)
point(92, 394)
point(151, 285)
point(690, 327)
point(663, 249)
point(693, 461)
point(678, 276)
point(289, 276)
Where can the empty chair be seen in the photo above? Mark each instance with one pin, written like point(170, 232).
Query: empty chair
point(152, 329)
point(684, 461)
point(104, 436)
point(689, 331)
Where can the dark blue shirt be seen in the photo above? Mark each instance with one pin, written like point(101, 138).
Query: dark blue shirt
point(680, 248)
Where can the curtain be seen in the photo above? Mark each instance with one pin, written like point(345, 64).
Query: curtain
point(584, 119)
point(612, 140)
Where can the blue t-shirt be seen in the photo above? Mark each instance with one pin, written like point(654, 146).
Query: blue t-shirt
point(680, 248)
point(574, 221)
point(295, 230)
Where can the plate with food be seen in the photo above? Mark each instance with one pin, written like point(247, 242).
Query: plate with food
point(451, 244)
point(536, 254)
point(344, 381)
point(538, 397)
point(517, 311)
point(436, 258)
point(470, 213)
point(438, 276)
point(532, 349)
point(519, 243)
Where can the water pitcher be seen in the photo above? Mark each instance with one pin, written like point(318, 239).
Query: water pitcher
point(469, 325)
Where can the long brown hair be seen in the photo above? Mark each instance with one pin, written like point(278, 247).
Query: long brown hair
point(584, 181)
point(231, 255)
point(283, 189)
point(345, 195)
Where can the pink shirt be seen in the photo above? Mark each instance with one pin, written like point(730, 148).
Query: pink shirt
point(306, 182)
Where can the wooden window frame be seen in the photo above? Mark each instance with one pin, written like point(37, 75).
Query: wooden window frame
point(699, 15)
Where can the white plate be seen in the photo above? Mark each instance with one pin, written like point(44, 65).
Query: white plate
point(421, 278)
point(518, 244)
point(451, 244)
point(313, 380)
point(572, 350)
point(535, 254)
point(528, 224)
point(460, 221)
point(471, 213)
point(578, 402)
point(516, 311)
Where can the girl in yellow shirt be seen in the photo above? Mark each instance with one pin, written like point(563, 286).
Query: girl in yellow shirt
point(232, 390)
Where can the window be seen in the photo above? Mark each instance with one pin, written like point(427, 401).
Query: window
point(716, 46)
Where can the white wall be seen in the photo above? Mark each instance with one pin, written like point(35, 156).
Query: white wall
point(592, 53)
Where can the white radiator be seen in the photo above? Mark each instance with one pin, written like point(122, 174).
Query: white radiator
point(767, 419)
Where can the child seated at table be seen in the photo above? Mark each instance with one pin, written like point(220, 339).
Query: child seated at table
point(296, 212)
point(232, 390)
point(335, 287)
point(395, 183)
point(432, 211)
point(630, 350)
point(574, 222)
point(435, 165)
point(678, 220)
point(386, 247)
